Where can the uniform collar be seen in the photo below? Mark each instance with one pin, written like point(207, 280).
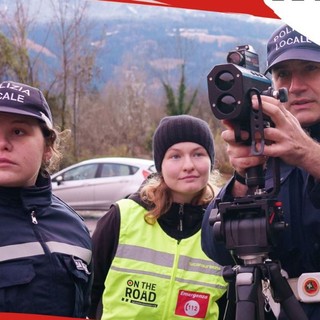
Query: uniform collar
point(29, 197)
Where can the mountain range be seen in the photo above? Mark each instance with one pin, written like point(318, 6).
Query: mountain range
point(147, 37)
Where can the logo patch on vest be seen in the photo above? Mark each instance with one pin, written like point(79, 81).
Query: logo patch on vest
point(141, 292)
point(192, 304)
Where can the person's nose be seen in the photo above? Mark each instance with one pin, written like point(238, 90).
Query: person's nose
point(5, 143)
point(188, 164)
point(297, 84)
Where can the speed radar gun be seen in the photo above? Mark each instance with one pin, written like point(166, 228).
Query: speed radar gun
point(249, 225)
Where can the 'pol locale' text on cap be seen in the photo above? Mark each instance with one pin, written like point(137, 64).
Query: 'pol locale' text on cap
point(22, 99)
point(288, 44)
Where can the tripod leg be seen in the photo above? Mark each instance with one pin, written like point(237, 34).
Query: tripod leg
point(284, 294)
point(250, 301)
point(230, 309)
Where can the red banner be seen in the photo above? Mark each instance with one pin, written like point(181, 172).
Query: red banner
point(253, 7)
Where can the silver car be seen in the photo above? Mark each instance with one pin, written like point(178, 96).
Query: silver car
point(97, 183)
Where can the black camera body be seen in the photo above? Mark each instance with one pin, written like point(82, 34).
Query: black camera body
point(229, 88)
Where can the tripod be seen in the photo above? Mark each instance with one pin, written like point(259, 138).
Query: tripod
point(249, 227)
point(246, 300)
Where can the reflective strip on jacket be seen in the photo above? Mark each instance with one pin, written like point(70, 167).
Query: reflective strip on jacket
point(155, 276)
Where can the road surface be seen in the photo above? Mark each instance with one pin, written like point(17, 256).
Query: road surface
point(91, 218)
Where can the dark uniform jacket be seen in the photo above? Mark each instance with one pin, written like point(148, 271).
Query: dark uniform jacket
point(45, 254)
point(298, 245)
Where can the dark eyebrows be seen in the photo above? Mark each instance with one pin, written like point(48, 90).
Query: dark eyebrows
point(286, 64)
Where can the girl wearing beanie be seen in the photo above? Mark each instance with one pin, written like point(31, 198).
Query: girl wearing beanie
point(147, 249)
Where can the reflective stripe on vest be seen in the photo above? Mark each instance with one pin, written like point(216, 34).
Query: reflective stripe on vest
point(155, 276)
point(30, 249)
point(166, 260)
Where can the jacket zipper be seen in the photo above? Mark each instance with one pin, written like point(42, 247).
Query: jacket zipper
point(33, 217)
point(34, 221)
point(181, 218)
point(166, 313)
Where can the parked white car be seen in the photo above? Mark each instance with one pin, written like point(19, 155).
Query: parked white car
point(97, 183)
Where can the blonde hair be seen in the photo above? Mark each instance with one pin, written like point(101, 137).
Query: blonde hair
point(158, 196)
point(53, 139)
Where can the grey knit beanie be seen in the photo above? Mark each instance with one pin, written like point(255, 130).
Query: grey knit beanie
point(181, 128)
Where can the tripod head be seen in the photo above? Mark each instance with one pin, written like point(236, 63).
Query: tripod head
point(248, 226)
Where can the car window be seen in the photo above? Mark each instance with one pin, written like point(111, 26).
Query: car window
point(133, 169)
point(107, 170)
point(122, 170)
point(116, 170)
point(87, 171)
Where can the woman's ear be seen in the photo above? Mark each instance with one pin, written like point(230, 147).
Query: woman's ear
point(47, 154)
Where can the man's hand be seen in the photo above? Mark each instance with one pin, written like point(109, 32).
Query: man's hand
point(287, 139)
point(239, 156)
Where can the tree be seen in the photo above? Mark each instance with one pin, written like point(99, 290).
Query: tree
point(176, 99)
point(8, 63)
point(121, 117)
point(67, 78)
point(176, 104)
point(77, 62)
point(16, 62)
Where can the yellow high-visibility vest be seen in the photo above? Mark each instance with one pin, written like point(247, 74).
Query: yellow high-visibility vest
point(154, 276)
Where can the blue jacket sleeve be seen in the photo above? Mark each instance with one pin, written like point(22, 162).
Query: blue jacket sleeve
point(214, 249)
